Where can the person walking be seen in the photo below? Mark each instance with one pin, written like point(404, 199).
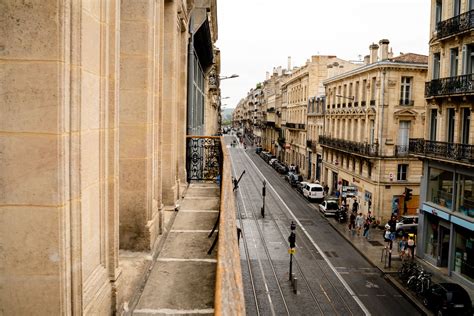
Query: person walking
point(411, 247)
point(359, 222)
point(402, 248)
point(367, 223)
point(355, 206)
point(352, 219)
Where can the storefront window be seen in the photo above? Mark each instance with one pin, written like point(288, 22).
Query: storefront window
point(431, 240)
point(464, 253)
point(440, 187)
point(465, 199)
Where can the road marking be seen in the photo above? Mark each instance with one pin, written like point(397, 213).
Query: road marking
point(371, 285)
point(338, 275)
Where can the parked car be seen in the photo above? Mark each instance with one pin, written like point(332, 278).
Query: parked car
point(329, 207)
point(300, 186)
point(258, 150)
point(407, 224)
point(280, 167)
point(314, 191)
point(272, 161)
point(448, 299)
point(294, 178)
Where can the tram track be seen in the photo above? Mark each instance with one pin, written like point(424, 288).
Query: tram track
point(316, 292)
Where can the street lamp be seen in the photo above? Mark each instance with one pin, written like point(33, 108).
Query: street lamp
point(228, 77)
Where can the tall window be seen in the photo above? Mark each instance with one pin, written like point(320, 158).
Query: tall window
point(436, 65)
point(356, 92)
point(372, 89)
point(403, 136)
point(433, 124)
point(402, 170)
point(350, 92)
point(344, 94)
point(454, 62)
point(456, 7)
point(471, 4)
point(450, 126)
point(466, 122)
point(364, 90)
point(439, 11)
point(372, 131)
point(468, 59)
point(405, 91)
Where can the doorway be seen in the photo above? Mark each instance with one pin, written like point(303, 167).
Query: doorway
point(443, 242)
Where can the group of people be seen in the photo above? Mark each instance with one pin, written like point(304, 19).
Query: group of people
point(359, 223)
point(406, 246)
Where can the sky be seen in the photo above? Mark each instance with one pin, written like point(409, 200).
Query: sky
point(254, 36)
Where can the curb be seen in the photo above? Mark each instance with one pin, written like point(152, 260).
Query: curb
point(387, 275)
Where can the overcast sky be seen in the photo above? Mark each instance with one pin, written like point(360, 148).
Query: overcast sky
point(257, 35)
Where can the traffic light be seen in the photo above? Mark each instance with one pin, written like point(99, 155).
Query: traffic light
point(408, 194)
point(292, 240)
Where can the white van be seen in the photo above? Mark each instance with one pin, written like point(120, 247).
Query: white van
point(313, 191)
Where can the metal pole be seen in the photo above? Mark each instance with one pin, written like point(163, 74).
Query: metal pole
point(263, 197)
point(291, 265)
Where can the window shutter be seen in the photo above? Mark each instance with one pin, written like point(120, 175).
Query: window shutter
point(465, 63)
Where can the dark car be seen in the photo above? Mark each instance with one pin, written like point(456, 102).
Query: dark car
point(448, 299)
point(280, 167)
point(258, 150)
point(294, 178)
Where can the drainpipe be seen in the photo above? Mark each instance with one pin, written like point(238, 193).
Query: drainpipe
point(382, 98)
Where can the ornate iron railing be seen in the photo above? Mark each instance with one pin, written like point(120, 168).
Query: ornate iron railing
point(449, 86)
point(203, 158)
point(458, 24)
point(401, 150)
point(295, 125)
point(347, 145)
point(451, 151)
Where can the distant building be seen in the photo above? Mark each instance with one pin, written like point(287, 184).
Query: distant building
point(370, 113)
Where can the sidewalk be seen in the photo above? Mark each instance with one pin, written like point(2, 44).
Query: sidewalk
point(372, 250)
point(182, 276)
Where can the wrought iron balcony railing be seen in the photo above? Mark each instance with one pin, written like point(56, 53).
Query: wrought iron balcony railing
point(407, 102)
point(401, 150)
point(203, 158)
point(458, 24)
point(295, 125)
point(363, 149)
point(450, 151)
point(450, 86)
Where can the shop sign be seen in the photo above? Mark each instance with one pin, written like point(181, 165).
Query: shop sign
point(349, 191)
point(368, 196)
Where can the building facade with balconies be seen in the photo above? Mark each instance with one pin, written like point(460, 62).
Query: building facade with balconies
point(370, 114)
point(303, 83)
point(446, 229)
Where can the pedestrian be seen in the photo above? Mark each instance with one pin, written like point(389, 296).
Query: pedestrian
point(393, 224)
point(402, 248)
point(387, 236)
point(367, 227)
point(352, 218)
point(326, 189)
point(411, 247)
point(355, 206)
point(359, 222)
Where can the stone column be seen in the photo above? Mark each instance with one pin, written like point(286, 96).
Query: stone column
point(136, 118)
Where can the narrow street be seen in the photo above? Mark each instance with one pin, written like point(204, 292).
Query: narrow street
point(333, 278)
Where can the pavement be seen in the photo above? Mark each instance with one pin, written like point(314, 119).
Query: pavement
point(182, 276)
point(372, 249)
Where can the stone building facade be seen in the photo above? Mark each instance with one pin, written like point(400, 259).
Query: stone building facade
point(446, 228)
point(297, 88)
point(94, 110)
point(370, 114)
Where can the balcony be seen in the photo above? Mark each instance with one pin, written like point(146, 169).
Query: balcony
point(401, 151)
point(271, 110)
point(295, 125)
point(407, 102)
point(363, 149)
point(451, 151)
point(449, 86)
point(456, 25)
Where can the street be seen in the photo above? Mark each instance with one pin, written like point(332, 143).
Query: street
point(333, 278)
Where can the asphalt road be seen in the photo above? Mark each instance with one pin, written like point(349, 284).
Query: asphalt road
point(332, 277)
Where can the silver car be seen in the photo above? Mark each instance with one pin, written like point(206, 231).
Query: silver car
point(329, 207)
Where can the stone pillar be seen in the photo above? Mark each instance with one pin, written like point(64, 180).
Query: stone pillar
point(170, 105)
point(136, 122)
point(58, 157)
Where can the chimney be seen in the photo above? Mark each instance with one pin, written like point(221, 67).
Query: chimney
point(289, 62)
point(390, 54)
point(373, 53)
point(366, 59)
point(384, 49)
